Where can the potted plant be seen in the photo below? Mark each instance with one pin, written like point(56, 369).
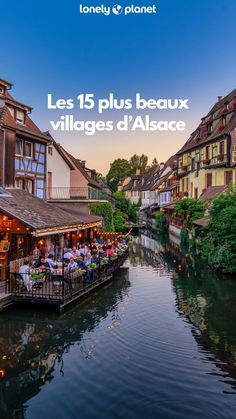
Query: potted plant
point(184, 167)
point(93, 266)
point(104, 261)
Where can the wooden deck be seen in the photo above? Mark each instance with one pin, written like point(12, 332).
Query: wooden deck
point(63, 292)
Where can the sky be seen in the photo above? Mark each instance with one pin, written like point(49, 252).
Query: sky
point(185, 50)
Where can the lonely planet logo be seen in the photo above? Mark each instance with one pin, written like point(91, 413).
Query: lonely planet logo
point(117, 10)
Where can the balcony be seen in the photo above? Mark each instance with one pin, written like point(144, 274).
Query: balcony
point(77, 194)
point(219, 160)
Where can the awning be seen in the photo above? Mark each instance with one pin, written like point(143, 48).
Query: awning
point(202, 222)
point(41, 217)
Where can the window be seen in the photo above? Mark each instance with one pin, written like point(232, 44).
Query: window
point(28, 149)
point(50, 150)
point(222, 147)
point(187, 184)
point(26, 184)
point(214, 150)
point(19, 183)
point(209, 129)
point(2, 90)
point(19, 147)
point(193, 164)
point(20, 117)
point(208, 152)
point(228, 177)
point(208, 180)
point(195, 193)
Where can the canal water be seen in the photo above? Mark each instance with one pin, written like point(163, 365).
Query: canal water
point(157, 342)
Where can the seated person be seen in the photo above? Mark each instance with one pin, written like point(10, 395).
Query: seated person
point(88, 259)
point(101, 240)
point(72, 265)
point(25, 273)
point(75, 252)
point(109, 250)
point(83, 250)
point(68, 254)
point(80, 262)
point(42, 264)
point(51, 262)
point(95, 258)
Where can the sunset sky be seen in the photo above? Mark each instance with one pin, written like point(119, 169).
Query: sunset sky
point(186, 50)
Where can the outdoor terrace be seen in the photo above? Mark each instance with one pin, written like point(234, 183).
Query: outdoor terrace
point(63, 288)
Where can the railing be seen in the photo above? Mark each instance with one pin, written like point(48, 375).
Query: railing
point(219, 160)
point(64, 287)
point(78, 193)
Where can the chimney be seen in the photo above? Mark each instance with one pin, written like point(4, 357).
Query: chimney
point(83, 162)
point(162, 165)
point(219, 98)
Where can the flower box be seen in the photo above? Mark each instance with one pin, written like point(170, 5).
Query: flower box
point(206, 161)
point(232, 104)
point(209, 119)
point(184, 168)
point(223, 110)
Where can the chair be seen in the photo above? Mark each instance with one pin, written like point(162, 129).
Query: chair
point(19, 281)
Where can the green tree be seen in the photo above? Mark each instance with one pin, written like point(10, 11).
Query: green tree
point(190, 209)
point(218, 246)
point(119, 220)
point(104, 209)
point(119, 170)
point(155, 162)
point(124, 204)
point(138, 162)
point(135, 162)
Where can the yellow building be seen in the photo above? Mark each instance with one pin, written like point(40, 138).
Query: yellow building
point(208, 158)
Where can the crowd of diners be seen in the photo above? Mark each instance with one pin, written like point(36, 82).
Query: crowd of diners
point(83, 256)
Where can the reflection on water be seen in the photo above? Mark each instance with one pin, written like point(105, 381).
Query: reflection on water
point(159, 341)
point(205, 299)
point(31, 342)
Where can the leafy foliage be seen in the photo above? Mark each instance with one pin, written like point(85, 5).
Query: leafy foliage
point(119, 170)
point(124, 204)
point(155, 162)
point(219, 244)
point(190, 209)
point(104, 209)
point(119, 220)
point(184, 241)
point(161, 223)
point(138, 162)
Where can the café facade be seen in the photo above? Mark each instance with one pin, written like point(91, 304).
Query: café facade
point(30, 226)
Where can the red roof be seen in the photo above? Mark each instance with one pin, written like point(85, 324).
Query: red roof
point(211, 192)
